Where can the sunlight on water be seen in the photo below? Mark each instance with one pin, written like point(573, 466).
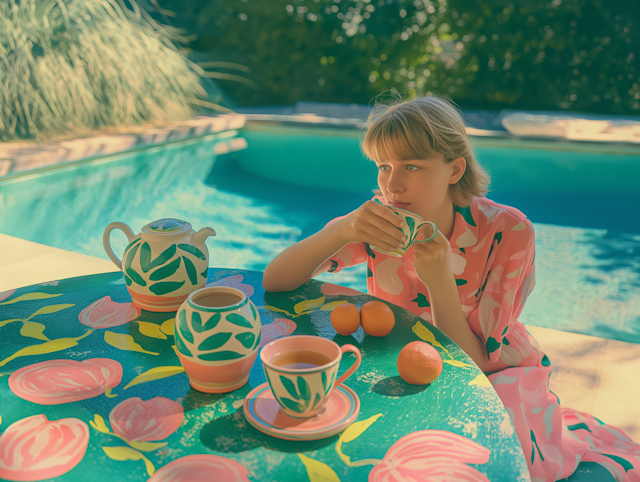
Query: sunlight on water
point(587, 278)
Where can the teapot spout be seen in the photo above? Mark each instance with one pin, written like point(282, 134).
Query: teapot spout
point(203, 234)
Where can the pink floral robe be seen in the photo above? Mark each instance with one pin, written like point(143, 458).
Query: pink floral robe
point(493, 261)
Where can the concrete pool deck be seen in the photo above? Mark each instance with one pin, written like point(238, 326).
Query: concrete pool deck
point(590, 374)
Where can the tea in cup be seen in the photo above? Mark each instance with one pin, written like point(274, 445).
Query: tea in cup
point(302, 370)
point(412, 225)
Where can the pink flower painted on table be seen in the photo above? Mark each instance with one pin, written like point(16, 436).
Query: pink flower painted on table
point(201, 468)
point(431, 456)
point(105, 313)
point(145, 421)
point(53, 382)
point(35, 448)
point(5, 294)
point(329, 289)
point(276, 329)
point(234, 281)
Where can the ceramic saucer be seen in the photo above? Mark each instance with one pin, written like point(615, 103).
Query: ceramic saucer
point(262, 411)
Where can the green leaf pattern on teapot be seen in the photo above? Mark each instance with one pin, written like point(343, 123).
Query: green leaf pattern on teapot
point(163, 266)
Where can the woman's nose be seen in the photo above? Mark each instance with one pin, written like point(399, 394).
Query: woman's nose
point(394, 182)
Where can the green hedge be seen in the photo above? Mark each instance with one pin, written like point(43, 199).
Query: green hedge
point(493, 54)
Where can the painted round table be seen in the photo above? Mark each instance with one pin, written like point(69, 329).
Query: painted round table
point(90, 385)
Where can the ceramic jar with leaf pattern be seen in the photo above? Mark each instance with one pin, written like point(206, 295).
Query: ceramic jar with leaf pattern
point(217, 338)
point(162, 264)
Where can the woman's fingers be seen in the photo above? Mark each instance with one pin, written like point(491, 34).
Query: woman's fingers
point(374, 236)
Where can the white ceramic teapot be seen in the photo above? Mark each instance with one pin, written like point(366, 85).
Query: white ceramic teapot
point(163, 264)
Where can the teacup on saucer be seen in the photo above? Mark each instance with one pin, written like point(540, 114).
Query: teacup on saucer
point(263, 412)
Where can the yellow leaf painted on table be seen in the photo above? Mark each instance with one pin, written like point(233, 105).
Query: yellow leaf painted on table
point(169, 327)
point(356, 429)
point(32, 329)
point(317, 471)
point(155, 373)
point(308, 304)
point(175, 348)
point(31, 297)
point(0, 419)
point(273, 308)
point(6, 322)
point(126, 453)
point(151, 329)
point(146, 446)
point(47, 310)
point(124, 342)
point(457, 363)
point(48, 347)
point(333, 304)
point(481, 381)
point(425, 334)
point(98, 424)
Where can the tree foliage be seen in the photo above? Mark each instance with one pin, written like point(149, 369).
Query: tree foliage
point(526, 54)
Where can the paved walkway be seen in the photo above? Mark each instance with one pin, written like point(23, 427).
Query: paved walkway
point(593, 375)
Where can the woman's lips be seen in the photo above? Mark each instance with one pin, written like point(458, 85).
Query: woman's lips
point(399, 205)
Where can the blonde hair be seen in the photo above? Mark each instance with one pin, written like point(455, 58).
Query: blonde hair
point(418, 128)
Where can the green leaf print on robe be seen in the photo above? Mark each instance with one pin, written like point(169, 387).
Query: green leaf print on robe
point(422, 301)
point(369, 251)
point(466, 214)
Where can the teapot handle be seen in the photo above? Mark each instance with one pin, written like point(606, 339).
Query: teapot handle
point(106, 240)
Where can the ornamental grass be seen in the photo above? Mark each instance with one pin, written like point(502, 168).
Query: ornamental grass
point(69, 67)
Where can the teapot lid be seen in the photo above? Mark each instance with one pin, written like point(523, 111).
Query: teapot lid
point(167, 226)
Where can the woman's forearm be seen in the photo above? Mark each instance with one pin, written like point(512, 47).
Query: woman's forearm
point(298, 263)
point(449, 318)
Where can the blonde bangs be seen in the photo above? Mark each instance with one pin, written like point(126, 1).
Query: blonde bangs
point(393, 137)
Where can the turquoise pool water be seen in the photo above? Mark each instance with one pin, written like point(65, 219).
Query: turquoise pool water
point(271, 186)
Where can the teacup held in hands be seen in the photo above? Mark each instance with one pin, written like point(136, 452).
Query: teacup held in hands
point(412, 226)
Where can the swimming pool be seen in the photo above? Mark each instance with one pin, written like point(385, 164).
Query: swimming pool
point(285, 182)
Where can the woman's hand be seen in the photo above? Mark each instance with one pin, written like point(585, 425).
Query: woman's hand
point(432, 260)
point(375, 224)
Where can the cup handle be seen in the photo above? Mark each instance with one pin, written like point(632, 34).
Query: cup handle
point(354, 367)
point(435, 232)
point(106, 240)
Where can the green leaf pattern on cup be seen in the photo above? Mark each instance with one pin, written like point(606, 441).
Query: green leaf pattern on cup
point(301, 397)
point(411, 224)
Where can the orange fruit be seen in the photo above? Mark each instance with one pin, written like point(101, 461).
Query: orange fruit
point(345, 318)
point(377, 318)
point(419, 363)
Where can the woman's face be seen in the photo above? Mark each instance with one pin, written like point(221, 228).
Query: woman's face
point(420, 186)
